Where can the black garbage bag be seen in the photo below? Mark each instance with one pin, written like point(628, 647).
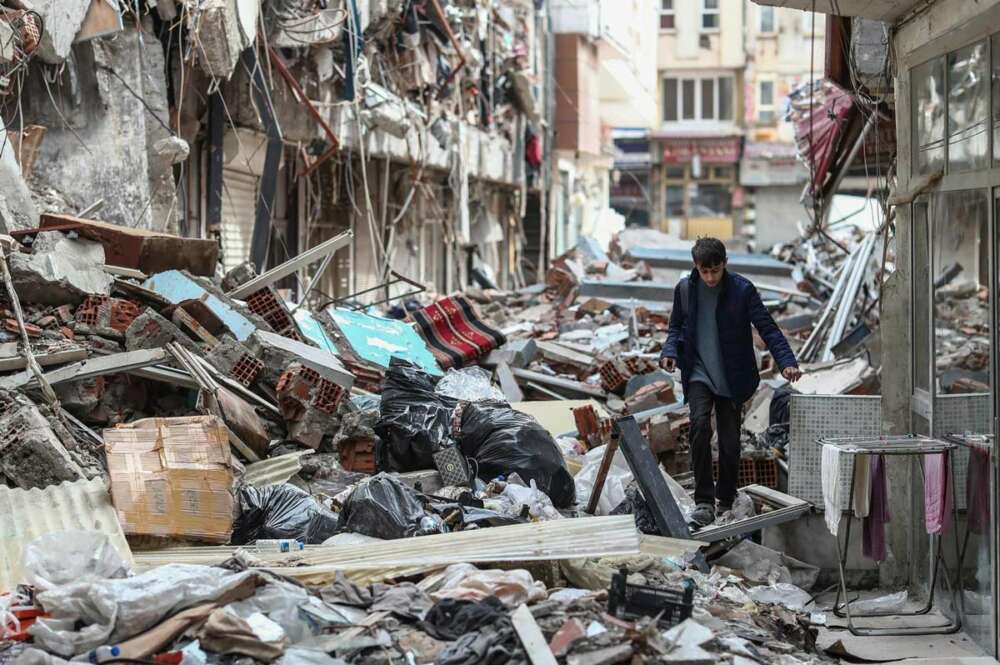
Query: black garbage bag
point(634, 504)
point(414, 420)
point(383, 507)
point(503, 441)
point(281, 511)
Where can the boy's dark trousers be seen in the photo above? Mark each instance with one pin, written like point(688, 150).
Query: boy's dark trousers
point(702, 401)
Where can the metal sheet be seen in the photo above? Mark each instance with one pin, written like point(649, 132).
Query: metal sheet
point(750, 264)
point(177, 287)
point(275, 470)
point(377, 339)
point(84, 505)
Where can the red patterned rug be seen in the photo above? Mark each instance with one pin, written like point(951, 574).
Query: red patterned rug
point(455, 332)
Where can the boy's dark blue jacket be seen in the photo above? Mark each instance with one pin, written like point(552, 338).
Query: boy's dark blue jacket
point(739, 306)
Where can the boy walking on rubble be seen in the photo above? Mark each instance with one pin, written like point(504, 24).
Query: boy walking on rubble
point(711, 341)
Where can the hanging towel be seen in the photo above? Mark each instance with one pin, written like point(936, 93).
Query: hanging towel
point(873, 532)
point(862, 485)
point(938, 494)
point(978, 490)
point(830, 473)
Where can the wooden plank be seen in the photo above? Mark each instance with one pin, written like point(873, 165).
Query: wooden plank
point(602, 475)
point(531, 637)
point(192, 324)
point(98, 366)
point(13, 359)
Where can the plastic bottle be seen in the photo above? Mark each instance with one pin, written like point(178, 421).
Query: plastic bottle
point(279, 545)
point(104, 653)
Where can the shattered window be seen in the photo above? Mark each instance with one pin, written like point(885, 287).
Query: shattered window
point(960, 270)
point(725, 98)
point(968, 100)
point(927, 110)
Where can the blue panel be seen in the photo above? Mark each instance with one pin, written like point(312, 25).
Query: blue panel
point(377, 339)
point(313, 329)
point(681, 258)
point(177, 287)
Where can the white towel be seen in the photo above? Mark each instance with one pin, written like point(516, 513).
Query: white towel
point(830, 473)
point(862, 485)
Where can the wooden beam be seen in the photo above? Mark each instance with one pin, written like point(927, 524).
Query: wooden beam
point(531, 637)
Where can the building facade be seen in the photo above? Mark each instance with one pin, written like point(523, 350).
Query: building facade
point(786, 51)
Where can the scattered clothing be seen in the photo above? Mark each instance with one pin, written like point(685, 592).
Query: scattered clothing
point(873, 531)
point(830, 475)
point(483, 632)
point(225, 633)
point(343, 591)
point(450, 619)
point(405, 600)
point(938, 493)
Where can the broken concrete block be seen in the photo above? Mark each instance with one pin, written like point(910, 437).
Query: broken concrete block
point(278, 353)
point(31, 454)
point(62, 20)
point(236, 361)
point(238, 276)
point(173, 147)
point(6, 42)
point(151, 331)
point(59, 270)
point(308, 404)
point(224, 29)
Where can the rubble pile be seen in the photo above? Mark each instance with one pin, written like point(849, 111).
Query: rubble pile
point(195, 410)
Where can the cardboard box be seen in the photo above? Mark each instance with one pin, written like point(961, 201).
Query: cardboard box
point(172, 477)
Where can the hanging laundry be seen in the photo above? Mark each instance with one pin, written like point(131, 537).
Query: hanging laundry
point(862, 485)
point(873, 532)
point(978, 490)
point(830, 473)
point(938, 493)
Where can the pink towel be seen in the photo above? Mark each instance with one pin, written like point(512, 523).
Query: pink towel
point(938, 493)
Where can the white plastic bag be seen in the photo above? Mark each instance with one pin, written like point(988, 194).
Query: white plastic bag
point(71, 556)
point(892, 602)
point(619, 477)
point(470, 384)
point(780, 593)
point(111, 611)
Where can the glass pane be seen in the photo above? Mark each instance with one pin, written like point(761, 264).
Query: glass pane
point(927, 99)
point(996, 97)
point(666, 21)
point(767, 19)
point(667, 5)
point(767, 93)
point(675, 201)
point(967, 107)
point(726, 98)
point(711, 4)
point(711, 200)
point(960, 270)
point(710, 21)
point(921, 306)
point(674, 172)
point(708, 99)
point(687, 98)
point(669, 100)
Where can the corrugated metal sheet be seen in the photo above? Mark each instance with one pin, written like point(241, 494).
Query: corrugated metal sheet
point(275, 469)
point(84, 505)
point(239, 210)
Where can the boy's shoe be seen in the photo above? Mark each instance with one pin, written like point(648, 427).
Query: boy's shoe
point(703, 515)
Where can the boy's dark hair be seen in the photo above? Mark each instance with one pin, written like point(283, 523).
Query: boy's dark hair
point(708, 252)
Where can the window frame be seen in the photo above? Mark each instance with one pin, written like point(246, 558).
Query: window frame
point(671, 12)
point(699, 83)
point(761, 107)
point(762, 10)
point(706, 12)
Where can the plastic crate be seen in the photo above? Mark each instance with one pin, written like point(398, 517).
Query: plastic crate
point(630, 601)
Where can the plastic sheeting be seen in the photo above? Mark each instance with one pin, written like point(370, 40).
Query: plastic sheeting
point(618, 479)
point(111, 611)
point(463, 581)
point(71, 556)
point(472, 384)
